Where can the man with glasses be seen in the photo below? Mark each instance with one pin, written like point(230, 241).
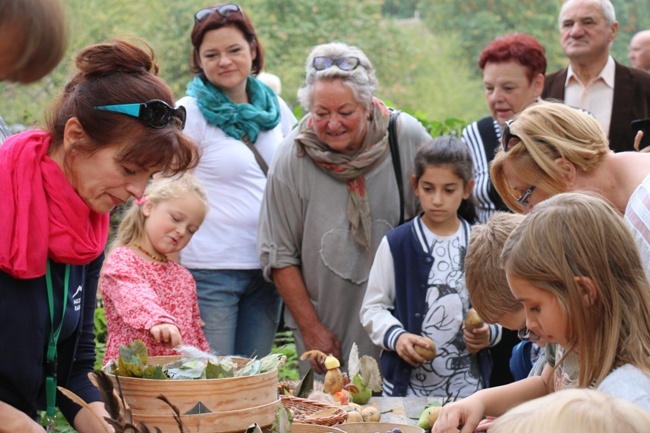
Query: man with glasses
point(614, 93)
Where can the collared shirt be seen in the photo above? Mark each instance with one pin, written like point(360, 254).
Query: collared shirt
point(596, 96)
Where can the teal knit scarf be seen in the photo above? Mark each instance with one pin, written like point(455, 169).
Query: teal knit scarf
point(241, 121)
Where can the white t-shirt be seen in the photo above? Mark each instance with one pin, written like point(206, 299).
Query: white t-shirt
point(235, 184)
point(629, 383)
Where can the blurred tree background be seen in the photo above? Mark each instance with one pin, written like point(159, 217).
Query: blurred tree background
point(424, 51)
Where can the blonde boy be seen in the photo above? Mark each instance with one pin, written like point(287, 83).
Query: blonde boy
point(486, 279)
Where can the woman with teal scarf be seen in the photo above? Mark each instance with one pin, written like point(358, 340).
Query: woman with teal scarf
point(239, 123)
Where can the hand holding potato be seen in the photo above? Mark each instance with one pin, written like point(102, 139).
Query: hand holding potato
point(406, 348)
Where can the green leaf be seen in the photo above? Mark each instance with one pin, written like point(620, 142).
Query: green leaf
point(306, 385)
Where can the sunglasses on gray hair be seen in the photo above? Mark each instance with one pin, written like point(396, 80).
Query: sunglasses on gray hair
point(344, 63)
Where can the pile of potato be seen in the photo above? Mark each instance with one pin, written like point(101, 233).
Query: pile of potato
point(358, 413)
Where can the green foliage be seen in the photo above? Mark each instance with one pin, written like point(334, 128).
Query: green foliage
point(420, 76)
point(492, 18)
point(101, 332)
point(284, 344)
point(477, 22)
point(133, 362)
point(60, 423)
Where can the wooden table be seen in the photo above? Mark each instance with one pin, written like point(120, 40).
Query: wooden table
point(403, 410)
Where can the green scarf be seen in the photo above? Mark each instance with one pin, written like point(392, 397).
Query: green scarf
point(241, 121)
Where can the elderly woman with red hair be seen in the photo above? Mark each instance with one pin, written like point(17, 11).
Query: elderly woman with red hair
point(513, 77)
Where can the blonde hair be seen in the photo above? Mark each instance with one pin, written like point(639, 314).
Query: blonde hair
point(160, 189)
point(486, 280)
point(574, 411)
point(40, 29)
point(575, 235)
point(548, 131)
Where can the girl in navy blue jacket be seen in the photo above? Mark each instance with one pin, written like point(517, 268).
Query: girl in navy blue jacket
point(417, 287)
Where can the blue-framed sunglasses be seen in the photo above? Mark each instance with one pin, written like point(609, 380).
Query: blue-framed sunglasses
point(344, 63)
point(155, 113)
point(224, 10)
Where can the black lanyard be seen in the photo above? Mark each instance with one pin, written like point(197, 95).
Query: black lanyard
point(51, 364)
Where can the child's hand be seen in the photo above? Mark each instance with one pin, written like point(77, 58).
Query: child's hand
point(477, 340)
point(406, 351)
point(166, 333)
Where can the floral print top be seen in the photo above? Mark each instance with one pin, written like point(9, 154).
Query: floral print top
point(139, 294)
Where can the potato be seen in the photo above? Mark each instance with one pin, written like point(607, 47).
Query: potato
point(473, 320)
point(370, 414)
point(426, 353)
point(355, 416)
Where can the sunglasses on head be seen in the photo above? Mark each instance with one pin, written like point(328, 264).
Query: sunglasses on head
point(223, 10)
point(344, 63)
point(507, 135)
point(155, 113)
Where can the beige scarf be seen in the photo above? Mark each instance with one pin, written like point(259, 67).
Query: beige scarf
point(351, 168)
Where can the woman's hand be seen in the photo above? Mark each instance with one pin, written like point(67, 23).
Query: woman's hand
point(166, 333)
point(478, 339)
point(406, 351)
point(467, 413)
point(91, 419)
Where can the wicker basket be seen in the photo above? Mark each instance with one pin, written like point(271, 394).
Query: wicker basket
point(308, 408)
point(313, 428)
point(233, 403)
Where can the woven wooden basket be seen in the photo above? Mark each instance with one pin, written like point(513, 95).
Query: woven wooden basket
point(313, 428)
point(314, 412)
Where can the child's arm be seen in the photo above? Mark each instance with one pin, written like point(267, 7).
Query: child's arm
point(490, 402)
point(379, 299)
point(133, 297)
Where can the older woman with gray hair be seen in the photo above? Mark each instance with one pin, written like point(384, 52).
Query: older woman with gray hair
point(331, 195)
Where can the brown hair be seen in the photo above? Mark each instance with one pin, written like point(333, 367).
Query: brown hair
point(120, 73)
point(214, 21)
point(571, 237)
point(38, 29)
point(486, 279)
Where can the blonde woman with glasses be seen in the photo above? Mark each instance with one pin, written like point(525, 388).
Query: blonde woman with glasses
point(551, 148)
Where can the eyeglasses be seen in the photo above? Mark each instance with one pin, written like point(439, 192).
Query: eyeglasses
point(223, 10)
point(155, 113)
point(507, 135)
point(525, 334)
point(344, 63)
point(523, 199)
